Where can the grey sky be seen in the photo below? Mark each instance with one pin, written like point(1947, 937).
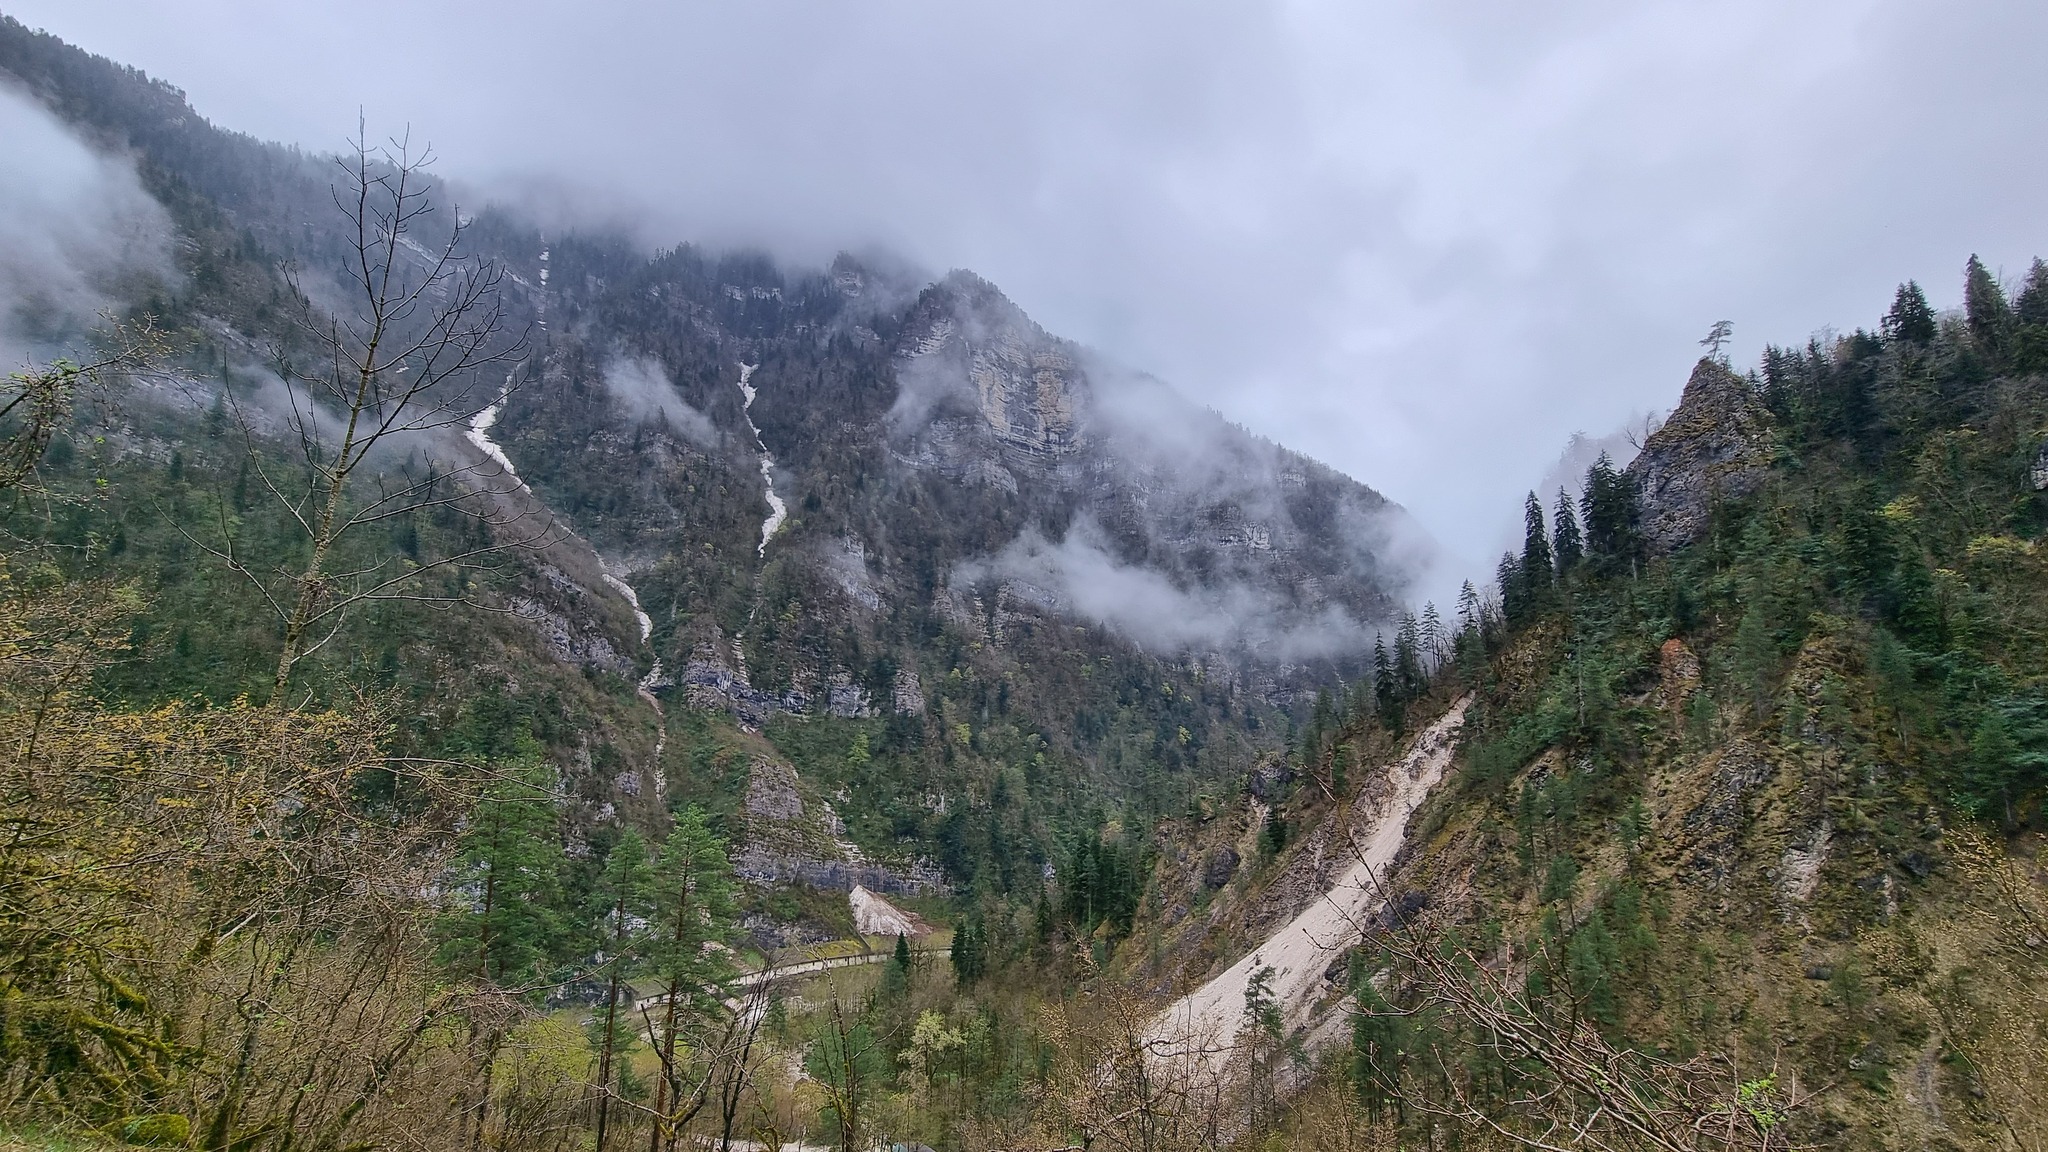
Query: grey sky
point(1423, 242)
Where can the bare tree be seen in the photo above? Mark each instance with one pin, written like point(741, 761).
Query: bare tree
point(1122, 1080)
point(412, 349)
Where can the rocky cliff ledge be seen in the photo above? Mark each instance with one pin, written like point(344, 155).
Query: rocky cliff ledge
point(1716, 446)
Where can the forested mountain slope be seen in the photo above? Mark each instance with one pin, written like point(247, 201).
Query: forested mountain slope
point(440, 658)
point(988, 544)
point(1742, 843)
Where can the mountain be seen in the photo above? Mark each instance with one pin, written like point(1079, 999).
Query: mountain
point(717, 618)
point(1739, 844)
point(814, 504)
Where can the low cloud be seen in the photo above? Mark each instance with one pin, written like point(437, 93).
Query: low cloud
point(641, 386)
point(76, 227)
point(1078, 575)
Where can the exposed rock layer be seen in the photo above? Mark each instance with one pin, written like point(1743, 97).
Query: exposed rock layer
point(1716, 446)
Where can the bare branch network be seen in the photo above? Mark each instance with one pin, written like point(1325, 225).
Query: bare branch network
point(412, 349)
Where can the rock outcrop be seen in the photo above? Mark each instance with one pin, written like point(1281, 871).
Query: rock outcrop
point(1026, 383)
point(2039, 472)
point(1716, 446)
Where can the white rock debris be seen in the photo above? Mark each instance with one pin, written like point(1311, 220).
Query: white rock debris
point(777, 510)
point(874, 916)
point(479, 434)
point(1203, 1025)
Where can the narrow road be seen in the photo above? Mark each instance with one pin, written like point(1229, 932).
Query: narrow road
point(801, 968)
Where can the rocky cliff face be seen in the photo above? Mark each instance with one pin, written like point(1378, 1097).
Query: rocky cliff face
point(1025, 384)
point(1122, 482)
point(1716, 446)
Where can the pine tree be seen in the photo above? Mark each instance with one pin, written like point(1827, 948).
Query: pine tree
point(969, 951)
point(1514, 598)
point(1984, 308)
point(1910, 320)
point(1385, 692)
point(1432, 634)
point(1408, 669)
point(692, 898)
point(1566, 545)
point(1470, 645)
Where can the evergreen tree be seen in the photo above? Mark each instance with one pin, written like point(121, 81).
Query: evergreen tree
point(507, 875)
point(1432, 634)
point(1984, 308)
point(1566, 545)
point(620, 901)
point(2030, 321)
point(1537, 565)
point(1386, 694)
point(1609, 514)
point(1470, 645)
point(1408, 669)
point(1514, 598)
point(1911, 320)
point(969, 952)
point(691, 896)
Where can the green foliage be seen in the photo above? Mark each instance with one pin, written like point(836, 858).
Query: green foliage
point(507, 921)
point(1566, 545)
point(969, 952)
point(691, 895)
point(161, 1129)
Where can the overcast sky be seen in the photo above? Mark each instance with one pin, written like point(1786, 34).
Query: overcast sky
point(1424, 242)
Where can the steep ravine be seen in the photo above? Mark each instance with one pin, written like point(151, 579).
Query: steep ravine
point(777, 510)
point(478, 435)
point(1301, 951)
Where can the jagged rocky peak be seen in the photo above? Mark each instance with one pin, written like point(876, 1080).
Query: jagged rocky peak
point(1027, 383)
point(1716, 446)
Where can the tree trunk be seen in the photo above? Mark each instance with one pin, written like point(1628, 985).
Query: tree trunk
point(604, 1060)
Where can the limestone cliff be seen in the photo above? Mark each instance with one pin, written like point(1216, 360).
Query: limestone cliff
point(1716, 446)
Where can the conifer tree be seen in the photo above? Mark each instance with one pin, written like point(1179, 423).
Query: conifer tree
point(1566, 544)
point(1470, 645)
point(509, 870)
point(1536, 562)
point(2030, 321)
point(1513, 590)
point(1984, 308)
point(1385, 692)
point(1432, 634)
point(969, 955)
point(1911, 320)
point(694, 913)
point(1609, 514)
point(620, 899)
point(1408, 669)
